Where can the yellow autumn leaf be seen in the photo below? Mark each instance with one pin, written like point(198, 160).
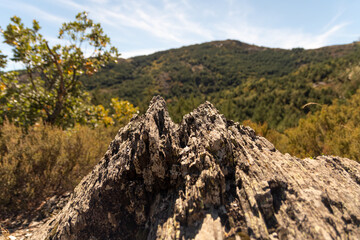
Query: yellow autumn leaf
point(2, 87)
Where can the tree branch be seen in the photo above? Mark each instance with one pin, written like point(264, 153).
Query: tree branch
point(56, 61)
point(29, 72)
point(61, 92)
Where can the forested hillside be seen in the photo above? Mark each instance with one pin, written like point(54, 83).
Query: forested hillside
point(58, 115)
point(243, 81)
point(304, 101)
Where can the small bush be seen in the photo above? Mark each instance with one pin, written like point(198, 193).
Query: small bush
point(45, 161)
point(334, 130)
point(279, 140)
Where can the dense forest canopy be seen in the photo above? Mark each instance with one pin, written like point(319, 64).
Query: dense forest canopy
point(243, 81)
point(304, 101)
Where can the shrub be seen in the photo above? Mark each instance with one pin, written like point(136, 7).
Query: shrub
point(335, 130)
point(45, 161)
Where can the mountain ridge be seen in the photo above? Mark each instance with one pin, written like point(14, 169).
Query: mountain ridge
point(240, 79)
point(251, 46)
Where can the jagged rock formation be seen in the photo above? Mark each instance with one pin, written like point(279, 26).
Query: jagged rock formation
point(208, 178)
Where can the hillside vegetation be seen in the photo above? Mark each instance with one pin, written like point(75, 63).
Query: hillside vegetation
point(46, 161)
point(243, 81)
point(51, 136)
point(268, 89)
point(334, 130)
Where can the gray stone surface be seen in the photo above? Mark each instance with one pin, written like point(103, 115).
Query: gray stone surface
point(207, 178)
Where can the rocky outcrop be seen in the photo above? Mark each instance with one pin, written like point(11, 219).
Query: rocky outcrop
point(208, 178)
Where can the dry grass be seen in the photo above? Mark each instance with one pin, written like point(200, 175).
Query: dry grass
point(45, 161)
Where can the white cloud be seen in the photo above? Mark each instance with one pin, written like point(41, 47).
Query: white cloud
point(323, 39)
point(129, 54)
point(282, 38)
point(333, 20)
point(35, 11)
point(168, 22)
point(100, 1)
point(73, 5)
point(172, 23)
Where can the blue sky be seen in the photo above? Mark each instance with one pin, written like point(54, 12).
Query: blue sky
point(139, 27)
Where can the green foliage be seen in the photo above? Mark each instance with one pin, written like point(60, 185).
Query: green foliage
point(120, 113)
point(267, 86)
point(243, 81)
point(46, 161)
point(14, 101)
point(335, 130)
point(50, 88)
point(2, 60)
point(279, 140)
point(182, 106)
point(46, 98)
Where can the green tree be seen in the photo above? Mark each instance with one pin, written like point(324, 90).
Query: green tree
point(50, 88)
point(119, 113)
point(2, 60)
point(334, 130)
point(122, 111)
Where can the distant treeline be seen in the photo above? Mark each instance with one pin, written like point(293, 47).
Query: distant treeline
point(243, 81)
